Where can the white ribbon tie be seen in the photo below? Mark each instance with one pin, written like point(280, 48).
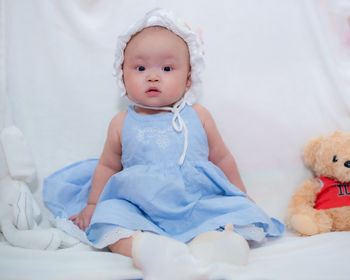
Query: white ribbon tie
point(177, 122)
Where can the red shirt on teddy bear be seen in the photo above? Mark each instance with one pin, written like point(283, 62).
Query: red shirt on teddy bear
point(333, 194)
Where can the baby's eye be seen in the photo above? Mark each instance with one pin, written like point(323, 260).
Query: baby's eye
point(141, 68)
point(167, 68)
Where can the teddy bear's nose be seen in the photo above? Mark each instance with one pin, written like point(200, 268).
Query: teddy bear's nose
point(347, 164)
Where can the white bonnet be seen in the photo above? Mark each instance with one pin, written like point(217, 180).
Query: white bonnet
point(164, 18)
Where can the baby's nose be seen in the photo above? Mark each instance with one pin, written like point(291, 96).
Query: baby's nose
point(347, 164)
point(153, 77)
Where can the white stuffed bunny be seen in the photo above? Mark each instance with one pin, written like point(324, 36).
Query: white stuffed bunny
point(19, 213)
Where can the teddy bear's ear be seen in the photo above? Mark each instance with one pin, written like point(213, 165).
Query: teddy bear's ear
point(338, 133)
point(310, 150)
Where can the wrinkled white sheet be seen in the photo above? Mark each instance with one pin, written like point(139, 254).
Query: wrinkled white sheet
point(277, 75)
point(319, 257)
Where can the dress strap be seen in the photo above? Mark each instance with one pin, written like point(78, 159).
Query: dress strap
point(177, 122)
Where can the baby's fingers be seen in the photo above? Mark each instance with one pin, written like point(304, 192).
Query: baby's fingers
point(79, 223)
point(86, 222)
point(73, 217)
point(85, 225)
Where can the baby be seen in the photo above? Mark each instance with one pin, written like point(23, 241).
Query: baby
point(165, 185)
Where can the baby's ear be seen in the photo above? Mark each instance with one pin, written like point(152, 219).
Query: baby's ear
point(310, 150)
point(123, 75)
point(189, 80)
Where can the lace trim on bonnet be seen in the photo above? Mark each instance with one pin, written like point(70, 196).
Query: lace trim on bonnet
point(164, 18)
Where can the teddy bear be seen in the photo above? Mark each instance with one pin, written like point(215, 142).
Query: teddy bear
point(20, 215)
point(322, 204)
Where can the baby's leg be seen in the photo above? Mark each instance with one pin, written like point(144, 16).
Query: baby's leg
point(160, 257)
point(122, 246)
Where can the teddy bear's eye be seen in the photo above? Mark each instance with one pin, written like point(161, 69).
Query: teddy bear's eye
point(335, 159)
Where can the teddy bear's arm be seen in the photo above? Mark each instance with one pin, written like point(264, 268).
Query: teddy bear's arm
point(301, 215)
point(305, 196)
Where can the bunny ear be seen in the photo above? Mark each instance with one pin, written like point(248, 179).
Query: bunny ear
point(310, 151)
point(16, 154)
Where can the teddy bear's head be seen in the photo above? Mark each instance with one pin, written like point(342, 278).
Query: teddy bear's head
point(329, 156)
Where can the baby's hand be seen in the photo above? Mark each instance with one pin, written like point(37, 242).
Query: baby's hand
point(82, 220)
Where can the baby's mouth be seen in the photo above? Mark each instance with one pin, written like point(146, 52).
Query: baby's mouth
point(153, 91)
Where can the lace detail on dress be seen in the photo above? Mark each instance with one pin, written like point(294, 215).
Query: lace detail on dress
point(109, 238)
point(113, 236)
point(155, 135)
point(251, 232)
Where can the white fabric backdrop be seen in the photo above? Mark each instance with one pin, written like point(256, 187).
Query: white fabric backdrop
point(271, 80)
point(277, 74)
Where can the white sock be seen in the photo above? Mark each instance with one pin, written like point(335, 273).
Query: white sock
point(161, 258)
point(215, 246)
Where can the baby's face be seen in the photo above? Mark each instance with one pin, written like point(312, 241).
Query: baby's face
point(156, 68)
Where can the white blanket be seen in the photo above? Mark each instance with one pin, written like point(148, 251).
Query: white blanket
point(319, 257)
point(277, 75)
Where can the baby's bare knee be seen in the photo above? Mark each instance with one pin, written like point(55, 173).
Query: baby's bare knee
point(122, 247)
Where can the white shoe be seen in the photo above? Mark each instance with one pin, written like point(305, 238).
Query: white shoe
point(163, 258)
point(215, 246)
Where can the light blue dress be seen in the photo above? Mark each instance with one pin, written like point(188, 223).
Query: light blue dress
point(153, 192)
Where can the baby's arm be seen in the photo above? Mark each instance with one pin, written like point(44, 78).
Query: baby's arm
point(110, 160)
point(109, 164)
point(219, 154)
